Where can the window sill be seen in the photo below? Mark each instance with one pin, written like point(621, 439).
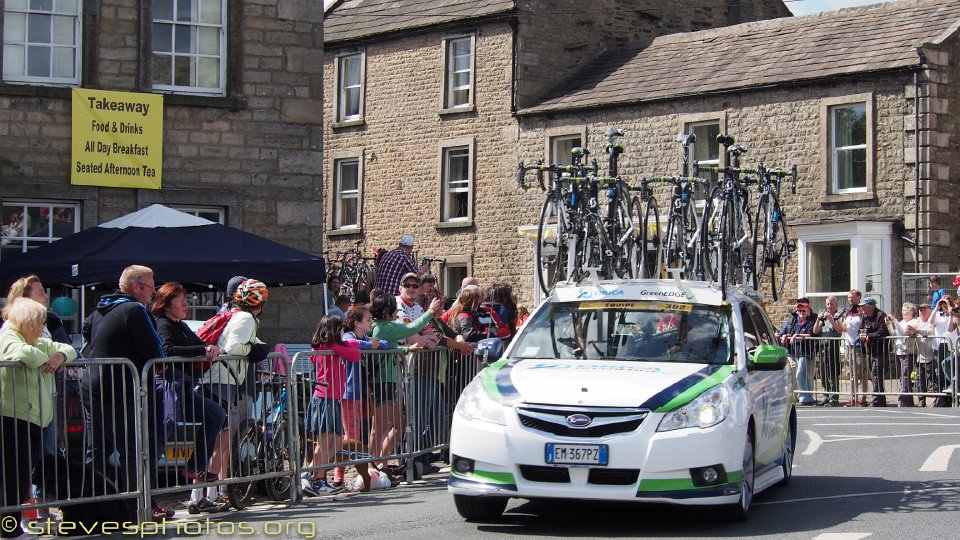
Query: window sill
point(345, 232)
point(442, 225)
point(35, 90)
point(458, 110)
point(221, 102)
point(348, 123)
point(847, 197)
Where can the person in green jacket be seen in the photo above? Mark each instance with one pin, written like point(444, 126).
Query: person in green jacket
point(26, 397)
point(387, 409)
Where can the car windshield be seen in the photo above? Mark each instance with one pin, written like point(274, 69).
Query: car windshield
point(631, 331)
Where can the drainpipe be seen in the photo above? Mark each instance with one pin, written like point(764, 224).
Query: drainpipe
point(514, 24)
point(916, 162)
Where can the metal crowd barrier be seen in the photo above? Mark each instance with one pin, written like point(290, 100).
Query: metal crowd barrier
point(396, 407)
point(120, 436)
point(87, 455)
point(215, 420)
point(910, 370)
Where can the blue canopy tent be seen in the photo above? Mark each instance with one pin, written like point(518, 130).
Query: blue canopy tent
point(196, 252)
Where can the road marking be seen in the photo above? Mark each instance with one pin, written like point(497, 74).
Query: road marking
point(939, 459)
point(951, 489)
point(815, 442)
point(842, 536)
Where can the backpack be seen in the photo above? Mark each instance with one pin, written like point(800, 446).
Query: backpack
point(211, 330)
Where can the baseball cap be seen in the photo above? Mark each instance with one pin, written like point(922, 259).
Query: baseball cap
point(409, 275)
point(406, 240)
point(869, 302)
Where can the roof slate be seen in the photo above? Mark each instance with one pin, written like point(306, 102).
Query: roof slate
point(355, 19)
point(872, 38)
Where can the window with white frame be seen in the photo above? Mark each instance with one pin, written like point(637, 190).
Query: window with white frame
point(210, 213)
point(705, 151)
point(28, 225)
point(457, 184)
point(561, 147)
point(848, 148)
point(835, 258)
point(458, 72)
point(189, 46)
point(42, 41)
point(349, 76)
point(346, 193)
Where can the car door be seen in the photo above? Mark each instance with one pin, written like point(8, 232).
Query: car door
point(768, 389)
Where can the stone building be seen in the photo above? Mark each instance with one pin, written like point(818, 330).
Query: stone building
point(420, 130)
point(242, 119)
point(842, 95)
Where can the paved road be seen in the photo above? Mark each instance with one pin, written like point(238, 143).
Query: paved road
point(859, 473)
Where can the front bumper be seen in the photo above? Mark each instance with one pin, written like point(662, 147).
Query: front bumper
point(645, 465)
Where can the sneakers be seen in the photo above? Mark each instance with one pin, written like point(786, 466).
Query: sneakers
point(318, 487)
point(206, 505)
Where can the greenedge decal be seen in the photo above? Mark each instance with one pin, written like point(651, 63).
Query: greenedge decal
point(496, 381)
point(688, 388)
point(502, 478)
point(680, 484)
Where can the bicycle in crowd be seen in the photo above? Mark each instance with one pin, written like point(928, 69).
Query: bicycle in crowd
point(353, 269)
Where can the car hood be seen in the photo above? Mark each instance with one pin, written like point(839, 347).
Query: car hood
point(599, 383)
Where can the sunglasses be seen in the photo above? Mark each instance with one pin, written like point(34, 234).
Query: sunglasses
point(411, 285)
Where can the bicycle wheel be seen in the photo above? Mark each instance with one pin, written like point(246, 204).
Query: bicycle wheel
point(761, 234)
point(704, 269)
point(641, 246)
point(625, 235)
point(727, 248)
point(711, 246)
point(552, 245)
point(277, 457)
point(245, 462)
point(770, 248)
point(746, 263)
point(674, 245)
point(690, 229)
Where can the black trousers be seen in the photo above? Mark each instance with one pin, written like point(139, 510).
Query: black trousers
point(22, 446)
point(829, 370)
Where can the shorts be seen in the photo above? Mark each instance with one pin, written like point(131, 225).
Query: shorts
point(384, 392)
point(237, 404)
point(324, 416)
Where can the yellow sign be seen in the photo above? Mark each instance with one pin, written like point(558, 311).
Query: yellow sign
point(117, 139)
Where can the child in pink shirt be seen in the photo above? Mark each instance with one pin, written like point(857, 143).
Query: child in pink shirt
point(324, 423)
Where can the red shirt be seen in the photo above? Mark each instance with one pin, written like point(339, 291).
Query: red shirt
point(331, 368)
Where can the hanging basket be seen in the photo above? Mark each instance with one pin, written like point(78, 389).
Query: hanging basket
point(64, 306)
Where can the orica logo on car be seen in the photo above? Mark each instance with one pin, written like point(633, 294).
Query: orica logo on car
point(579, 420)
point(587, 293)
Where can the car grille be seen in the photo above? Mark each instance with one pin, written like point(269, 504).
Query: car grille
point(603, 422)
point(554, 475)
point(613, 477)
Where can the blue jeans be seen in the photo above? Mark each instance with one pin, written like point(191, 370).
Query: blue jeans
point(211, 417)
point(803, 379)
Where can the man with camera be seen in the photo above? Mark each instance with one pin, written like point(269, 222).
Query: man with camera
point(829, 325)
point(944, 320)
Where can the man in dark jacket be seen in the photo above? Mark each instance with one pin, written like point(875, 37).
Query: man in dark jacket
point(872, 332)
point(121, 327)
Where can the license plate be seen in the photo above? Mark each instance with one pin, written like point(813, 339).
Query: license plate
point(577, 454)
point(179, 453)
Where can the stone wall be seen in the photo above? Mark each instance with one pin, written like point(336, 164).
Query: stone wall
point(255, 152)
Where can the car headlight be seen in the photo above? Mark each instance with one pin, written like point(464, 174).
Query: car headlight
point(708, 409)
point(476, 404)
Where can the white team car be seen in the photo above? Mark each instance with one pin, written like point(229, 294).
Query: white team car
point(629, 390)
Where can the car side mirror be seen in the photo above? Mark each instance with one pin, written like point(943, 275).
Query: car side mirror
point(490, 348)
point(769, 358)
